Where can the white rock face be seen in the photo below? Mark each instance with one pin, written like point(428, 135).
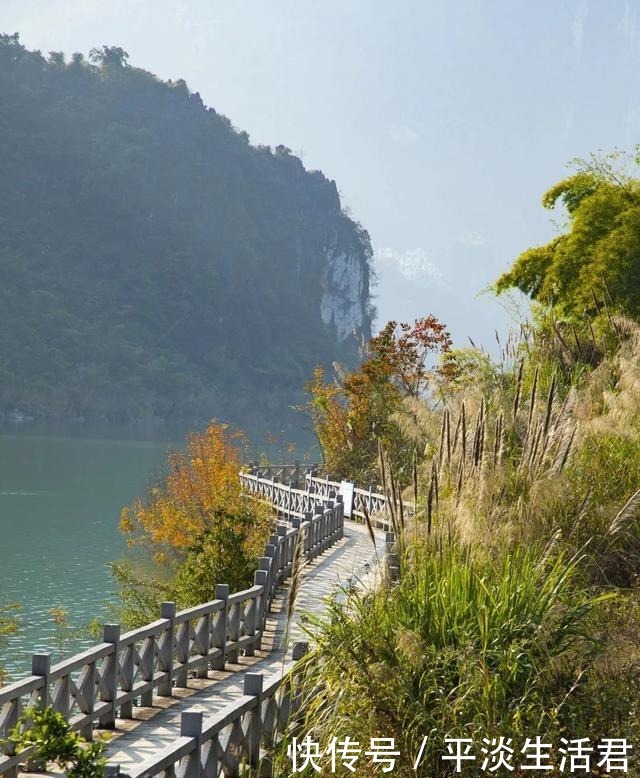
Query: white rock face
point(342, 293)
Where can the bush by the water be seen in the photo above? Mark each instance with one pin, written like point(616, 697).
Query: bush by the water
point(194, 530)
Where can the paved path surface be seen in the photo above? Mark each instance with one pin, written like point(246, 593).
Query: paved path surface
point(351, 560)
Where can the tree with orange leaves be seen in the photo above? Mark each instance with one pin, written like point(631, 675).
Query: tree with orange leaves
point(196, 523)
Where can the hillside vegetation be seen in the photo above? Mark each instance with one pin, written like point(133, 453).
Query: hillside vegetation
point(513, 627)
point(153, 262)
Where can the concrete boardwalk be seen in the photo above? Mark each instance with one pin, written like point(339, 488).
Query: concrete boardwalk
point(351, 560)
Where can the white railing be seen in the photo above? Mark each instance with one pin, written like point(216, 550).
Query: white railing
point(286, 474)
point(365, 501)
point(288, 501)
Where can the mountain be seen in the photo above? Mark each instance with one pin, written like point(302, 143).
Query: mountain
point(155, 264)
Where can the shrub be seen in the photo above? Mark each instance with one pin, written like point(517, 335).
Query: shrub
point(49, 737)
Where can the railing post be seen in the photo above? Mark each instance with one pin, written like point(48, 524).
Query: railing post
point(326, 518)
point(41, 665)
point(109, 690)
point(308, 534)
point(286, 561)
point(253, 687)
point(300, 649)
point(391, 556)
point(233, 632)
point(260, 578)
point(339, 518)
point(315, 533)
point(275, 542)
point(222, 593)
point(167, 649)
point(266, 563)
point(250, 624)
point(191, 726)
point(272, 552)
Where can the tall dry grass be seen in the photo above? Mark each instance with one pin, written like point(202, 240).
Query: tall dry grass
point(529, 456)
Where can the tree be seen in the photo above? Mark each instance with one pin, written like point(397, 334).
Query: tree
point(352, 414)
point(109, 57)
point(56, 58)
point(599, 250)
point(51, 739)
point(197, 526)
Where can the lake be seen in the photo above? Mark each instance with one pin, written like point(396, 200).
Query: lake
point(60, 500)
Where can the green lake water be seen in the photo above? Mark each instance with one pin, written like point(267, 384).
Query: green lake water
point(60, 500)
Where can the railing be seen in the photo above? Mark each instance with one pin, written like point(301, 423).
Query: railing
point(365, 501)
point(95, 686)
point(286, 474)
point(233, 737)
point(288, 501)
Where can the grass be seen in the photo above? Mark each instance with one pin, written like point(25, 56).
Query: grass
point(518, 609)
point(465, 644)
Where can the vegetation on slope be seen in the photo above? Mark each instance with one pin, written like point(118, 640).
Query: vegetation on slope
point(153, 262)
point(517, 612)
point(353, 414)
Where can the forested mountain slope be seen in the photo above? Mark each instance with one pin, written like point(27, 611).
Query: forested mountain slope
point(152, 262)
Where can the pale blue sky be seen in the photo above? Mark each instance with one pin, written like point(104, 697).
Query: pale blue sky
point(442, 122)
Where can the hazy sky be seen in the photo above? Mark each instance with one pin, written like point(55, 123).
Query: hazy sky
point(442, 122)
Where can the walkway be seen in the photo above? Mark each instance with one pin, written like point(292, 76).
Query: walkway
point(351, 559)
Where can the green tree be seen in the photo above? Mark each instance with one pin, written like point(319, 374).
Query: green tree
point(109, 56)
point(599, 248)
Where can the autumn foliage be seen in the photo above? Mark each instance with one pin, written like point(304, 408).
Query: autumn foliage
point(196, 522)
point(351, 414)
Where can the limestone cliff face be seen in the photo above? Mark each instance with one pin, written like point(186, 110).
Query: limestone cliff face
point(345, 288)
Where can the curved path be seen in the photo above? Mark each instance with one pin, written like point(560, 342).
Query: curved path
point(351, 560)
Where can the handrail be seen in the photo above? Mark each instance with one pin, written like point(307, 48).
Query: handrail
point(232, 737)
point(94, 686)
point(365, 501)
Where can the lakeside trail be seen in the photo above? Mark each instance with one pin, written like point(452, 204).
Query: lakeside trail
point(350, 561)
